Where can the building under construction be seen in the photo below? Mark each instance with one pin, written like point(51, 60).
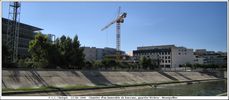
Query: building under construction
point(26, 34)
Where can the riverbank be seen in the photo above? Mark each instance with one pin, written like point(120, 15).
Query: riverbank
point(27, 80)
point(84, 91)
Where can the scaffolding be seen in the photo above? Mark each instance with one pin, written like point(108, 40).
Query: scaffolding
point(13, 29)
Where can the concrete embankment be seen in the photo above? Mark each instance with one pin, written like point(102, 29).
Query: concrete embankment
point(60, 78)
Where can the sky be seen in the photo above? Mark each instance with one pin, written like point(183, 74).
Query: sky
point(196, 25)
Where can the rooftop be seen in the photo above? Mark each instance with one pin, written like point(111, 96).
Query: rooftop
point(22, 25)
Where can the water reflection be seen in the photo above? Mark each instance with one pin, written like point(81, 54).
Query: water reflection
point(198, 89)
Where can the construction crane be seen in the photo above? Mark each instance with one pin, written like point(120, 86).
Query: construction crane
point(13, 29)
point(118, 21)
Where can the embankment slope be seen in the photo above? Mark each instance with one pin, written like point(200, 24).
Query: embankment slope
point(36, 78)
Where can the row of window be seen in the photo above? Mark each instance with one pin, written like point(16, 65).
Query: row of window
point(160, 53)
point(166, 57)
point(165, 61)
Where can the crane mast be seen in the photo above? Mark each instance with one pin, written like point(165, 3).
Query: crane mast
point(118, 21)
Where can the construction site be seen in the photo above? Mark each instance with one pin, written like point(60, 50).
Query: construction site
point(17, 35)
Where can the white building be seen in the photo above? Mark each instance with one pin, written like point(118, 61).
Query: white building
point(130, 53)
point(202, 56)
point(168, 55)
point(199, 60)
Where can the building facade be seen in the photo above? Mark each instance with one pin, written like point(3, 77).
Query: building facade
point(167, 55)
point(90, 53)
point(202, 56)
point(26, 34)
point(93, 53)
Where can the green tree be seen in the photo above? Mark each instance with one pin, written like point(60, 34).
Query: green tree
point(38, 48)
point(71, 55)
point(77, 55)
point(109, 63)
point(145, 63)
point(53, 56)
point(65, 53)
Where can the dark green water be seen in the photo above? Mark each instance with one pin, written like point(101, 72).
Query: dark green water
point(197, 89)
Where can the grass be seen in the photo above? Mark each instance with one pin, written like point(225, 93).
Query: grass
point(45, 88)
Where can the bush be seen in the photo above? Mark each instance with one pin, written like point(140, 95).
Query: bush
point(97, 64)
point(108, 63)
point(40, 64)
point(24, 63)
point(21, 63)
point(88, 65)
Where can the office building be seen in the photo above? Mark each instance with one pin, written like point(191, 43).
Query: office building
point(93, 53)
point(167, 55)
point(26, 34)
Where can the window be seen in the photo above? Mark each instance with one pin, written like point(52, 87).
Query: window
point(168, 61)
point(179, 53)
point(168, 57)
point(165, 61)
point(165, 57)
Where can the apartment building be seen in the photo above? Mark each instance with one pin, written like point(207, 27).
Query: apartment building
point(167, 55)
point(202, 56)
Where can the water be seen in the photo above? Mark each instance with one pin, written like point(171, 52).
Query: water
point(197, 89)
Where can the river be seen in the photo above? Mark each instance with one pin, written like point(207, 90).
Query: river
point(212, 88)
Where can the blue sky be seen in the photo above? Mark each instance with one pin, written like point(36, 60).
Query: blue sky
point(192, 25)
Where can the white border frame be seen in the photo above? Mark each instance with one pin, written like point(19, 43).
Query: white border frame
point(88, 97)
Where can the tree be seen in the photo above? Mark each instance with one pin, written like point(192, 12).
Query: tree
point(77, 56)
point(146, 63)
point(71, 55)
point(65, 53)
point(53, 56)
point(124, 65)
point(88, 65)
point(38, 48)
point(109, 63)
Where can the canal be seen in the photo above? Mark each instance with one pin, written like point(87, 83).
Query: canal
point(212, 88)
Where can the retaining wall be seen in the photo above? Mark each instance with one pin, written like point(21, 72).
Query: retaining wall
point(36, 78)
